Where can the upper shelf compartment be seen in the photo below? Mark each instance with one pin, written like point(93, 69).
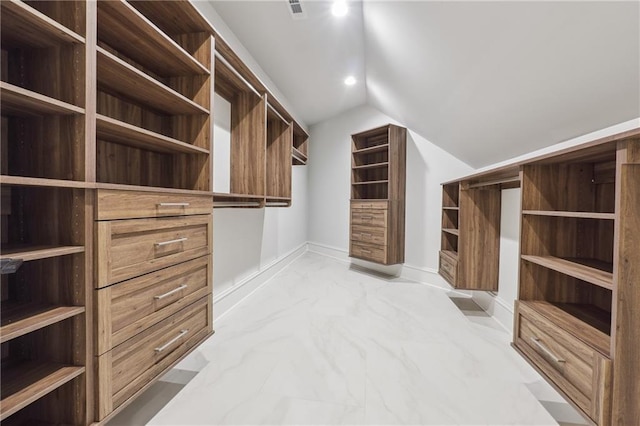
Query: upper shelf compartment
point(125, 29)
point(22, 26)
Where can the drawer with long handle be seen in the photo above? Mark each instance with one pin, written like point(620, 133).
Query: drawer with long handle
point(368, 234)
point(127, 308)
point(369, 204)
point(369, 252)
point(371, 218)
point(129, 367)
point(116, 204)
point(130, 248)
point(578, 370)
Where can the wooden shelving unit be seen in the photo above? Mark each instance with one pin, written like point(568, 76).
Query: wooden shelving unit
point(378, 167)
point(300, 150)
point(278, 158)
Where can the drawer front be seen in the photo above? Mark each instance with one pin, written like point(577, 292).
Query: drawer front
point(130, 248)
point(582, 373)
point(130, 366)
point(448, 269)
point(369, 252)
point(114, 204)
point(377, 205)
point(127, 308)
point(369, 217)
point(369, 235)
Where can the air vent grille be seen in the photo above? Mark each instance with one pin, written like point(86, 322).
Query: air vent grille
point(295, 7)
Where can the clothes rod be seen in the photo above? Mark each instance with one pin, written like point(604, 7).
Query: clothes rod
point(495, 182)
point(237, 74)
point(278, 114)
point(232, 204)
point(281, 204)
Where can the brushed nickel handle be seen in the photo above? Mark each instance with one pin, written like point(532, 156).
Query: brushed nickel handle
point(544, 349)
point(178, 240)
point(169, 293)
point(173, 204)
point(172, 341)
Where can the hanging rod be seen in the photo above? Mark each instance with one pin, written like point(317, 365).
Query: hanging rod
point(278, 204)
point(233, 204)
point(278, 114)
point(237, 74)
point(495, 182)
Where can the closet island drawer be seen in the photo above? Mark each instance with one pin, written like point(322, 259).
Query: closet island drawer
point(581, 372)
point(369, 204)
point(369, 217)
point(116, 204)
point(127, 368)
point(129, 248)
point(368, 234)
point(129, 307)
point(371, 252)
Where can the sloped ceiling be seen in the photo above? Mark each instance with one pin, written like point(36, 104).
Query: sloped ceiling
point(485, 81)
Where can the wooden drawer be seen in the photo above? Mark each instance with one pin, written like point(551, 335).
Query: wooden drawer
point(448, 268)
point(369, 217)
point(369, 252)
point(130, 366)
point(127, 308)
point(369, 235)
point(115, 204)
point(130, 248)
point(377, 205)
point(575, 368)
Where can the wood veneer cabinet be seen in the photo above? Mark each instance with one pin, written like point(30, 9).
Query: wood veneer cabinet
point(378, 168)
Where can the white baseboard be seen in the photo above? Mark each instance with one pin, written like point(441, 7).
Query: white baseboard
point(496, 307)
point(227, 300)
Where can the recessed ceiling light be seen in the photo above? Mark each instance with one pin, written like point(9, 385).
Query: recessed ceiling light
point(350, 81)
point(339, 8)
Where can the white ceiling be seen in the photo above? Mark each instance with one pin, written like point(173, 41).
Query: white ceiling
point(485, 81)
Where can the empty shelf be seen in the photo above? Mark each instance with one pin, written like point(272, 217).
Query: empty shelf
point(28, 253)
point(578, 215)
point(20, 319)
point(117, 76)
point(590, 270)
point(452, 254)
point(128, 31)
point(22, 25)
point(119, 132)
point(29, 381)
point(18, 101)
point(371, 182)
point(31, 181)
point(451, 208)
point(451, 231)
point(372, 166)
point(372, 149)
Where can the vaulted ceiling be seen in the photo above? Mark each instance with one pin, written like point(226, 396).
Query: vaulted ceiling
point(485, 81)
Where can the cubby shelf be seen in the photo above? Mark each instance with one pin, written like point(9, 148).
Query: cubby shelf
point(451, 231)
point(451, 208)
point(372, 150)
point(19, 101)
point(124, 28)
point(31, 181)
point(29, 381)
point(117, 76)
point(450, 253)
point(117, 131)
point(298, 156)
point(590, 270)
point(372, 166)
point(29, 253)
point(23, 318)
point(22, 25)
point(371, 182)
point(577, 215)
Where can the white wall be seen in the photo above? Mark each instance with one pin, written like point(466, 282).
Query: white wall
point(330, 181)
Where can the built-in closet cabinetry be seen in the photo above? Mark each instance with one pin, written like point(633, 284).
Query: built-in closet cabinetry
point(378, 168)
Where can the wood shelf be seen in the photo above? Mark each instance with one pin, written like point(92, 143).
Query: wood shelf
point(577, 215)
point(44, 182)
point(371, 182)
point(223, 200)
point(590, 270)
point(22, 25)
point(22, 102)
point(299, 155)
point(371, 166)
point(20, 319)
point(29, 253)
point(586, 322)
point(451, 254)
point(451, 231)
point(117, 76)
point(451, 208)
point(124, 187)
point(125, 29)
point(29, 381)
point(119, 132)
point(372, 149)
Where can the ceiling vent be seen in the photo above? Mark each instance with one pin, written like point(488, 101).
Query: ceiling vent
point(295, 7)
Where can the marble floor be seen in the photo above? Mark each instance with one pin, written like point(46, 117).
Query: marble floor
point(325, 344)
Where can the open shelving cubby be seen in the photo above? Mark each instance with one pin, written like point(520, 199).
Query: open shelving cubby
point(153, 102)
point(278, 158)
point(240, 114)
point(370, 165)
point(450, 218)
point(300, 150)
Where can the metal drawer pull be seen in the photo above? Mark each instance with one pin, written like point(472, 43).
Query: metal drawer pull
point(173, 204)
point(172, 341)
point(169, 293)
point(543, 348)
point(367, 217)
point(164, 243)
